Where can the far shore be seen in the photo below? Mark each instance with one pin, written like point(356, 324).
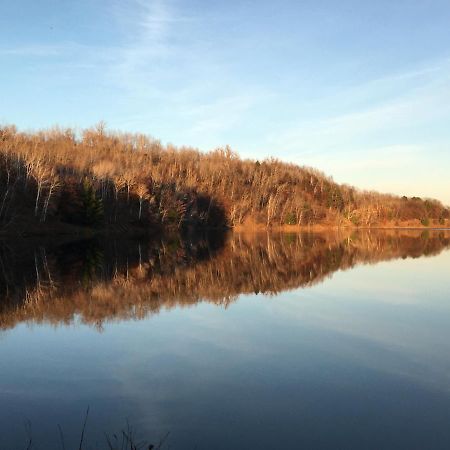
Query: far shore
point(322, 227)
point(67, 230)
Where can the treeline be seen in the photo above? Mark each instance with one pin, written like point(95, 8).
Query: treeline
point(101, 281)
point(99, 178)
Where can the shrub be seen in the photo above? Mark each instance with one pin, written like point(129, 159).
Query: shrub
point(291, 219)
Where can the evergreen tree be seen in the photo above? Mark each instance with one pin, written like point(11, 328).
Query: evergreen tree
point(92, 206)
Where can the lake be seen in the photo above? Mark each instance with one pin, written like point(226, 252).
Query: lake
point(241, 341)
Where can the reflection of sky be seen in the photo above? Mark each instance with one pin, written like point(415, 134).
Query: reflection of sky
point(401, 306)
point(360, 361)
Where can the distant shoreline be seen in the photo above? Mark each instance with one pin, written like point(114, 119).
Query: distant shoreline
point(319, 227)
point(137, 232)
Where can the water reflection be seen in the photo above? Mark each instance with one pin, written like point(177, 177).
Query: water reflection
point(95, 281)
point(189, 346)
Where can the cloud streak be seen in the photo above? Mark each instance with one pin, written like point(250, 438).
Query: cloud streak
point(211, 76)
point(424, 101)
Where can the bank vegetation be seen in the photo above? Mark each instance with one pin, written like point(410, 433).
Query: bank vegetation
point(60, 179)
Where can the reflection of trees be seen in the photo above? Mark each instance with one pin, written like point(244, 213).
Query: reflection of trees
point(99, 281)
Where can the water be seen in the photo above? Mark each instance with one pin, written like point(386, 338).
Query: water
point(330, 341)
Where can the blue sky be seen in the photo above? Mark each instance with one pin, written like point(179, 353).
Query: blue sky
point(358, 89)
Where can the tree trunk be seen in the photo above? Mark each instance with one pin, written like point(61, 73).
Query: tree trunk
point(38, 194)
point(47, 201)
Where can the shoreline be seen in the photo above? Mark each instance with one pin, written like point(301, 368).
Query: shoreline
point(138, 232)
point(320, 228)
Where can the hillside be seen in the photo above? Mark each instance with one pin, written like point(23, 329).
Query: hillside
point(59, 180)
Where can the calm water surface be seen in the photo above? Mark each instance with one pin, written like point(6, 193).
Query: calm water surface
point(243, 342)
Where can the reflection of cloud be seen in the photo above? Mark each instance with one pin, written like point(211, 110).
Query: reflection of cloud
point(334, 337)
point(384, 318)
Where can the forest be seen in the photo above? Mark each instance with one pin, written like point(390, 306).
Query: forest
point(63, 180)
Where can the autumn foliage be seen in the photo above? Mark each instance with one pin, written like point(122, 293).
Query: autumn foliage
point(98, 178)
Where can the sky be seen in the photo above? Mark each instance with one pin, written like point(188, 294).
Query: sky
point(357, 89)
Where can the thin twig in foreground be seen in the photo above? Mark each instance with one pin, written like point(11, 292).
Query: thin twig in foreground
point(84, 427)
point(61, 436)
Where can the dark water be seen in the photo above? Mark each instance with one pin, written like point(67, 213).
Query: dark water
point(265, 341)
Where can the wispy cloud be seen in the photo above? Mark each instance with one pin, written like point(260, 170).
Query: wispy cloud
point(384, 142)
point(185, 76)
point(222, 114)
point(168, 61)
point(32, 50)
point(161, 68)
point(149, 44)
point(423, 101)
